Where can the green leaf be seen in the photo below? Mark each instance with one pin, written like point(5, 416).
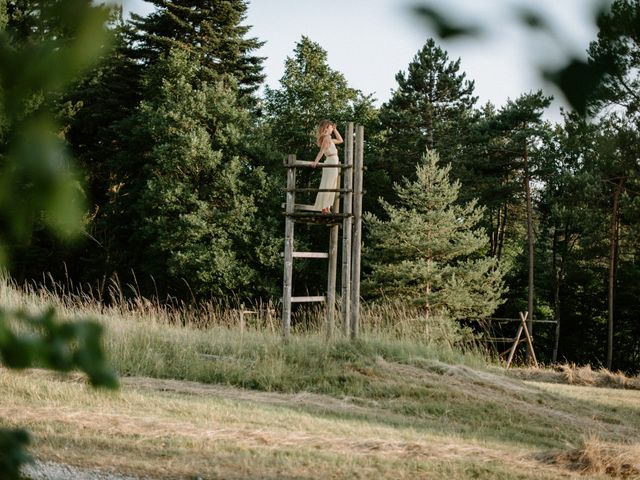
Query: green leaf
point(444, 27)
point(577, 80)
point(13, 454)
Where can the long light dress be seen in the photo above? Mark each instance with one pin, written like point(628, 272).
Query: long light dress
point(329, 179)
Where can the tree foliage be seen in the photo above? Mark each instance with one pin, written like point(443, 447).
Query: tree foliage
point(432, 108)
point(617, 53)
point(43, 47)
point(211, 30)
point(430, 251)
point(194, 210)
point(310, 91)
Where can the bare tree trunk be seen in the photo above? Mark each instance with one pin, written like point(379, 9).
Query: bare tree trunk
point(613, 256)
point(530, 242)
point(493, 237)
point(556, 296)
point(502, 231)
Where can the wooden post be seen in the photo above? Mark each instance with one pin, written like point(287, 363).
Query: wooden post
point(241, 319)
point(514, 346)
point(531, 246)
point(288, 247)
point(347, 223)
point(332, 268)
point(357, 231)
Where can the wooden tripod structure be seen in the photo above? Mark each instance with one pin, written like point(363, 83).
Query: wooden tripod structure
point(517, 340)
point(350, 218)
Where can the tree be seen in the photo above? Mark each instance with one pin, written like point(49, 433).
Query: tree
point(309, 92)
point(431, 108)
point(617, 53)
point(88, 113)
point(192, 210)
point(588, 219)
point(211, 30)
point(499, 166)
point(430, 251)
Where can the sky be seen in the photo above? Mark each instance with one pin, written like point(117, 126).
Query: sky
point(370, 41)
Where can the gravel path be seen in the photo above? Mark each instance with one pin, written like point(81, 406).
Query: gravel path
point(58, 471)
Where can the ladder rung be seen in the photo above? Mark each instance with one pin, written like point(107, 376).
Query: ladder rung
point(307, 299)
point(317, 215)
point(339, 190)
point(310, 255)
point(306, 163)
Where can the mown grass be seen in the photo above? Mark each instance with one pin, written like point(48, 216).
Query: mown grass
point(166, 429)
point(416, 386)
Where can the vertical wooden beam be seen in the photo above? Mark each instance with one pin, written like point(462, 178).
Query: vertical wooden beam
point(331, 279)
point(288, 247)
point(347, 223)
point(241, 319)
point(334, 231)
point(357, 231)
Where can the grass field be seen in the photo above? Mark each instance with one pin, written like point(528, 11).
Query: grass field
point(216, 403)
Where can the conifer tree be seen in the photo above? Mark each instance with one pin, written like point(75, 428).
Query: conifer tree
point(431, 108)
point(430, 251)
point(310, 92)
point(211, 30)
point(189, 215)
point(617, 52)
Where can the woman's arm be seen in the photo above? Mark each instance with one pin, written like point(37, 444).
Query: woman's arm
point(338, 140)
point(326, 141)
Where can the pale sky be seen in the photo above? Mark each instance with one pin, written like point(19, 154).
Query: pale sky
point(369, 41)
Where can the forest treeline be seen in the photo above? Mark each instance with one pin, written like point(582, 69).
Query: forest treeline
point(179, 167)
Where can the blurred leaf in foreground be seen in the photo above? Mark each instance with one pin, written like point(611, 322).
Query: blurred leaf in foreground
point(44, 46)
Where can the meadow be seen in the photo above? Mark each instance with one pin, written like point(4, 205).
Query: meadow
point(201, 398)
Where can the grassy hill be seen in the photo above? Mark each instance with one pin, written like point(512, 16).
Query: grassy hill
point(217, 403)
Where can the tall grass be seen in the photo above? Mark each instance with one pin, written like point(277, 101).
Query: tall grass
point(207, 342)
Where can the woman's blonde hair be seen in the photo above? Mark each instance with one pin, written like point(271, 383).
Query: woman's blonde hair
point(323, 124)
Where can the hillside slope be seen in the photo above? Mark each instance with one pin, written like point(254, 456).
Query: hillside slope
point(419, 419)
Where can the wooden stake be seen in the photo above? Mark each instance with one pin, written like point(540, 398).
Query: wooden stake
point(523, 317)
point(347, 223)
point(514, 346)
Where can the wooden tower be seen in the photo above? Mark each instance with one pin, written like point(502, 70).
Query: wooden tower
point(349, 217)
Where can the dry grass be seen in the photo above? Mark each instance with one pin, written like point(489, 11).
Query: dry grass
point(394, 405)
point(595, 457)
point(572, 374)
point(179, 429)
point(166, 429)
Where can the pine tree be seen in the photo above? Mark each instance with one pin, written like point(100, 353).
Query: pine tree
point(431, 108)
point(430, 250)
point(617, 52)
point(211, 30)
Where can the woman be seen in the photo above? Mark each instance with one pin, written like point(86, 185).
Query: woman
point(327, 144)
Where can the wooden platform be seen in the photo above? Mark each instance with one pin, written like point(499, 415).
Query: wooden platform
point(318, 218)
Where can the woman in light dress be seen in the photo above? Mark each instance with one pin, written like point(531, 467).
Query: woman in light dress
point(327, 144)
